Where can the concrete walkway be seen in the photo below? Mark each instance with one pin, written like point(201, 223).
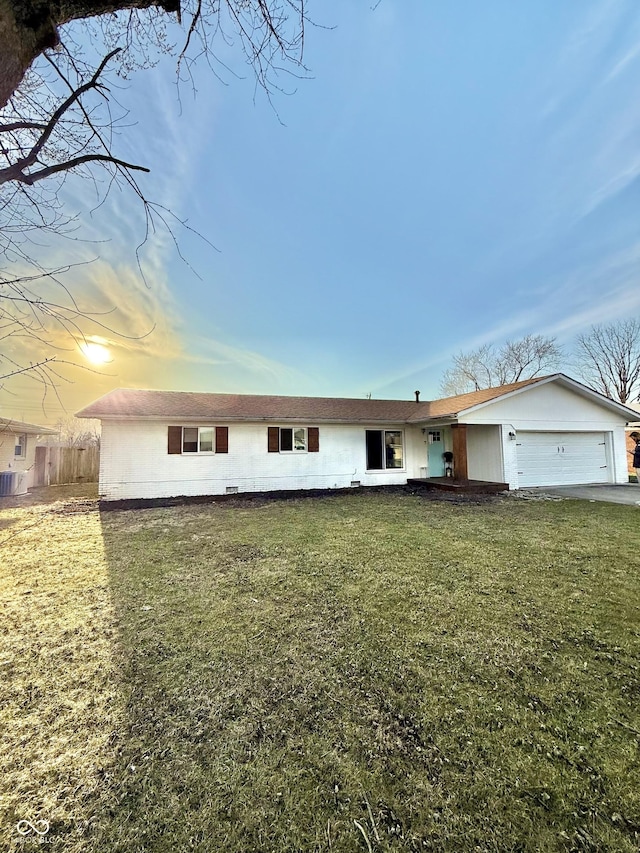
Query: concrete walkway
point(628, 493)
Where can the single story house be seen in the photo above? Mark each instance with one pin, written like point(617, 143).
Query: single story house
point(544, 431)
point(18, 455)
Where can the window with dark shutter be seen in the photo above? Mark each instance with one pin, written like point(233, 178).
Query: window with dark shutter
point(222, 439)
point(273, 439)
point(175, 439)
point(313, 439)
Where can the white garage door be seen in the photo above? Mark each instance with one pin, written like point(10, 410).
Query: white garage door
point(561, 458)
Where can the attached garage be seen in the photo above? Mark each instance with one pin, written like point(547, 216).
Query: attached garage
point(561, 458)
point(548, 431)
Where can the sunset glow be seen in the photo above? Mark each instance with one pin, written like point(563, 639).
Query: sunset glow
point(95, 353)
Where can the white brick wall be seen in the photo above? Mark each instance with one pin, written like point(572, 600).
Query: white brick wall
point(8, 461)
point(134, 462)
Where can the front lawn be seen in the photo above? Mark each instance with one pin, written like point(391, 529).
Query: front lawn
point(375, 672)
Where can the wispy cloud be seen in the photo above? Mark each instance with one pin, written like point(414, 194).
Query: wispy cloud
point(568, 308)
point(256, 367)
point(514, 326)
point(584, 48)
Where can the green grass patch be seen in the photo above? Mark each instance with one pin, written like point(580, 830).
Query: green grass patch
point(360, 672)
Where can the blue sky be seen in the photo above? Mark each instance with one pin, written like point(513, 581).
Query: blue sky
point(450, 174)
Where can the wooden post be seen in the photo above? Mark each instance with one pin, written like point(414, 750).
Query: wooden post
point(459, 435)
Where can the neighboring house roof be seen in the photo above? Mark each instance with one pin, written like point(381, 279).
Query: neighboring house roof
point(125, 403)
point(20, 428)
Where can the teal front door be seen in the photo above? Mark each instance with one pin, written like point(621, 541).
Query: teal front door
point(435, 449)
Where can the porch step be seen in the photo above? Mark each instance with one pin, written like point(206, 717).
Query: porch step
point(448, 484)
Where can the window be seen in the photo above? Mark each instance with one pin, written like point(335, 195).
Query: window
point(198, 439)
point(293, 439)
point(384, 449)
point(21, 446)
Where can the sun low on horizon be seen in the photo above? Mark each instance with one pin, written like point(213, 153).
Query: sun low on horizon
point(96, 352)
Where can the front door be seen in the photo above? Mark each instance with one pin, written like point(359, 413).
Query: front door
point(435, 449)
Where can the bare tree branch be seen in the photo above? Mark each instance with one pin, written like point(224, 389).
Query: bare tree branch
point(61, 118)
point(608, 359)
point(66, 166)
point(16, 171)
point(488, 366)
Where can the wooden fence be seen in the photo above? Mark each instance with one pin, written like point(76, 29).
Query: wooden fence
point(58, 465)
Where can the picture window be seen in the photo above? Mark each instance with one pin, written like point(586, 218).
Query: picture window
point(384, 449)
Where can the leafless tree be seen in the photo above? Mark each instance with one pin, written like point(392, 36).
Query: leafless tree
point(59, 117)
point(270, 33)
point(73, 432)
point(43, 327)
point(489, 366)
point(608, 359)
point(66, 125)
point(59, 112)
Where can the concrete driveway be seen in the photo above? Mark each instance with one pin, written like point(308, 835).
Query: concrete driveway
point(628, 493)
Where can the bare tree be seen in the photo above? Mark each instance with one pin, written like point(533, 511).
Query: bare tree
point(608, 359)
point(59, 117)
point(470, 371)
point(269, 32)
point(43, 328)
point(488, 366)
point(526, 358)
point(73, 432)
point(66, 126)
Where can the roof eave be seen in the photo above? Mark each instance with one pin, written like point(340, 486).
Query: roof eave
point(449, 417)
point(18, 428)
point(222, 418)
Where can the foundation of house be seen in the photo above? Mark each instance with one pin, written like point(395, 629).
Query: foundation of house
point(449, 484)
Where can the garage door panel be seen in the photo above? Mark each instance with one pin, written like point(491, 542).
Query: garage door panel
point(561, 458)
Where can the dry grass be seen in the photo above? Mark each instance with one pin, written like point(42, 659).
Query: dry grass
point(358, 672)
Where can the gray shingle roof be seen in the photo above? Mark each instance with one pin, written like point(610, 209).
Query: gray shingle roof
point(128, 403)
point(9, 425)
point(184, 405)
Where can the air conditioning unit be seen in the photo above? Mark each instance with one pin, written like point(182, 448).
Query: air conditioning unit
point(7, 481)
point(20, 482)
point(13, 483)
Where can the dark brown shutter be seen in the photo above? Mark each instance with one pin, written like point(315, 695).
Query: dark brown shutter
point(273, 439)
point(175, 439)
point(222, 439)
point(313, 436)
